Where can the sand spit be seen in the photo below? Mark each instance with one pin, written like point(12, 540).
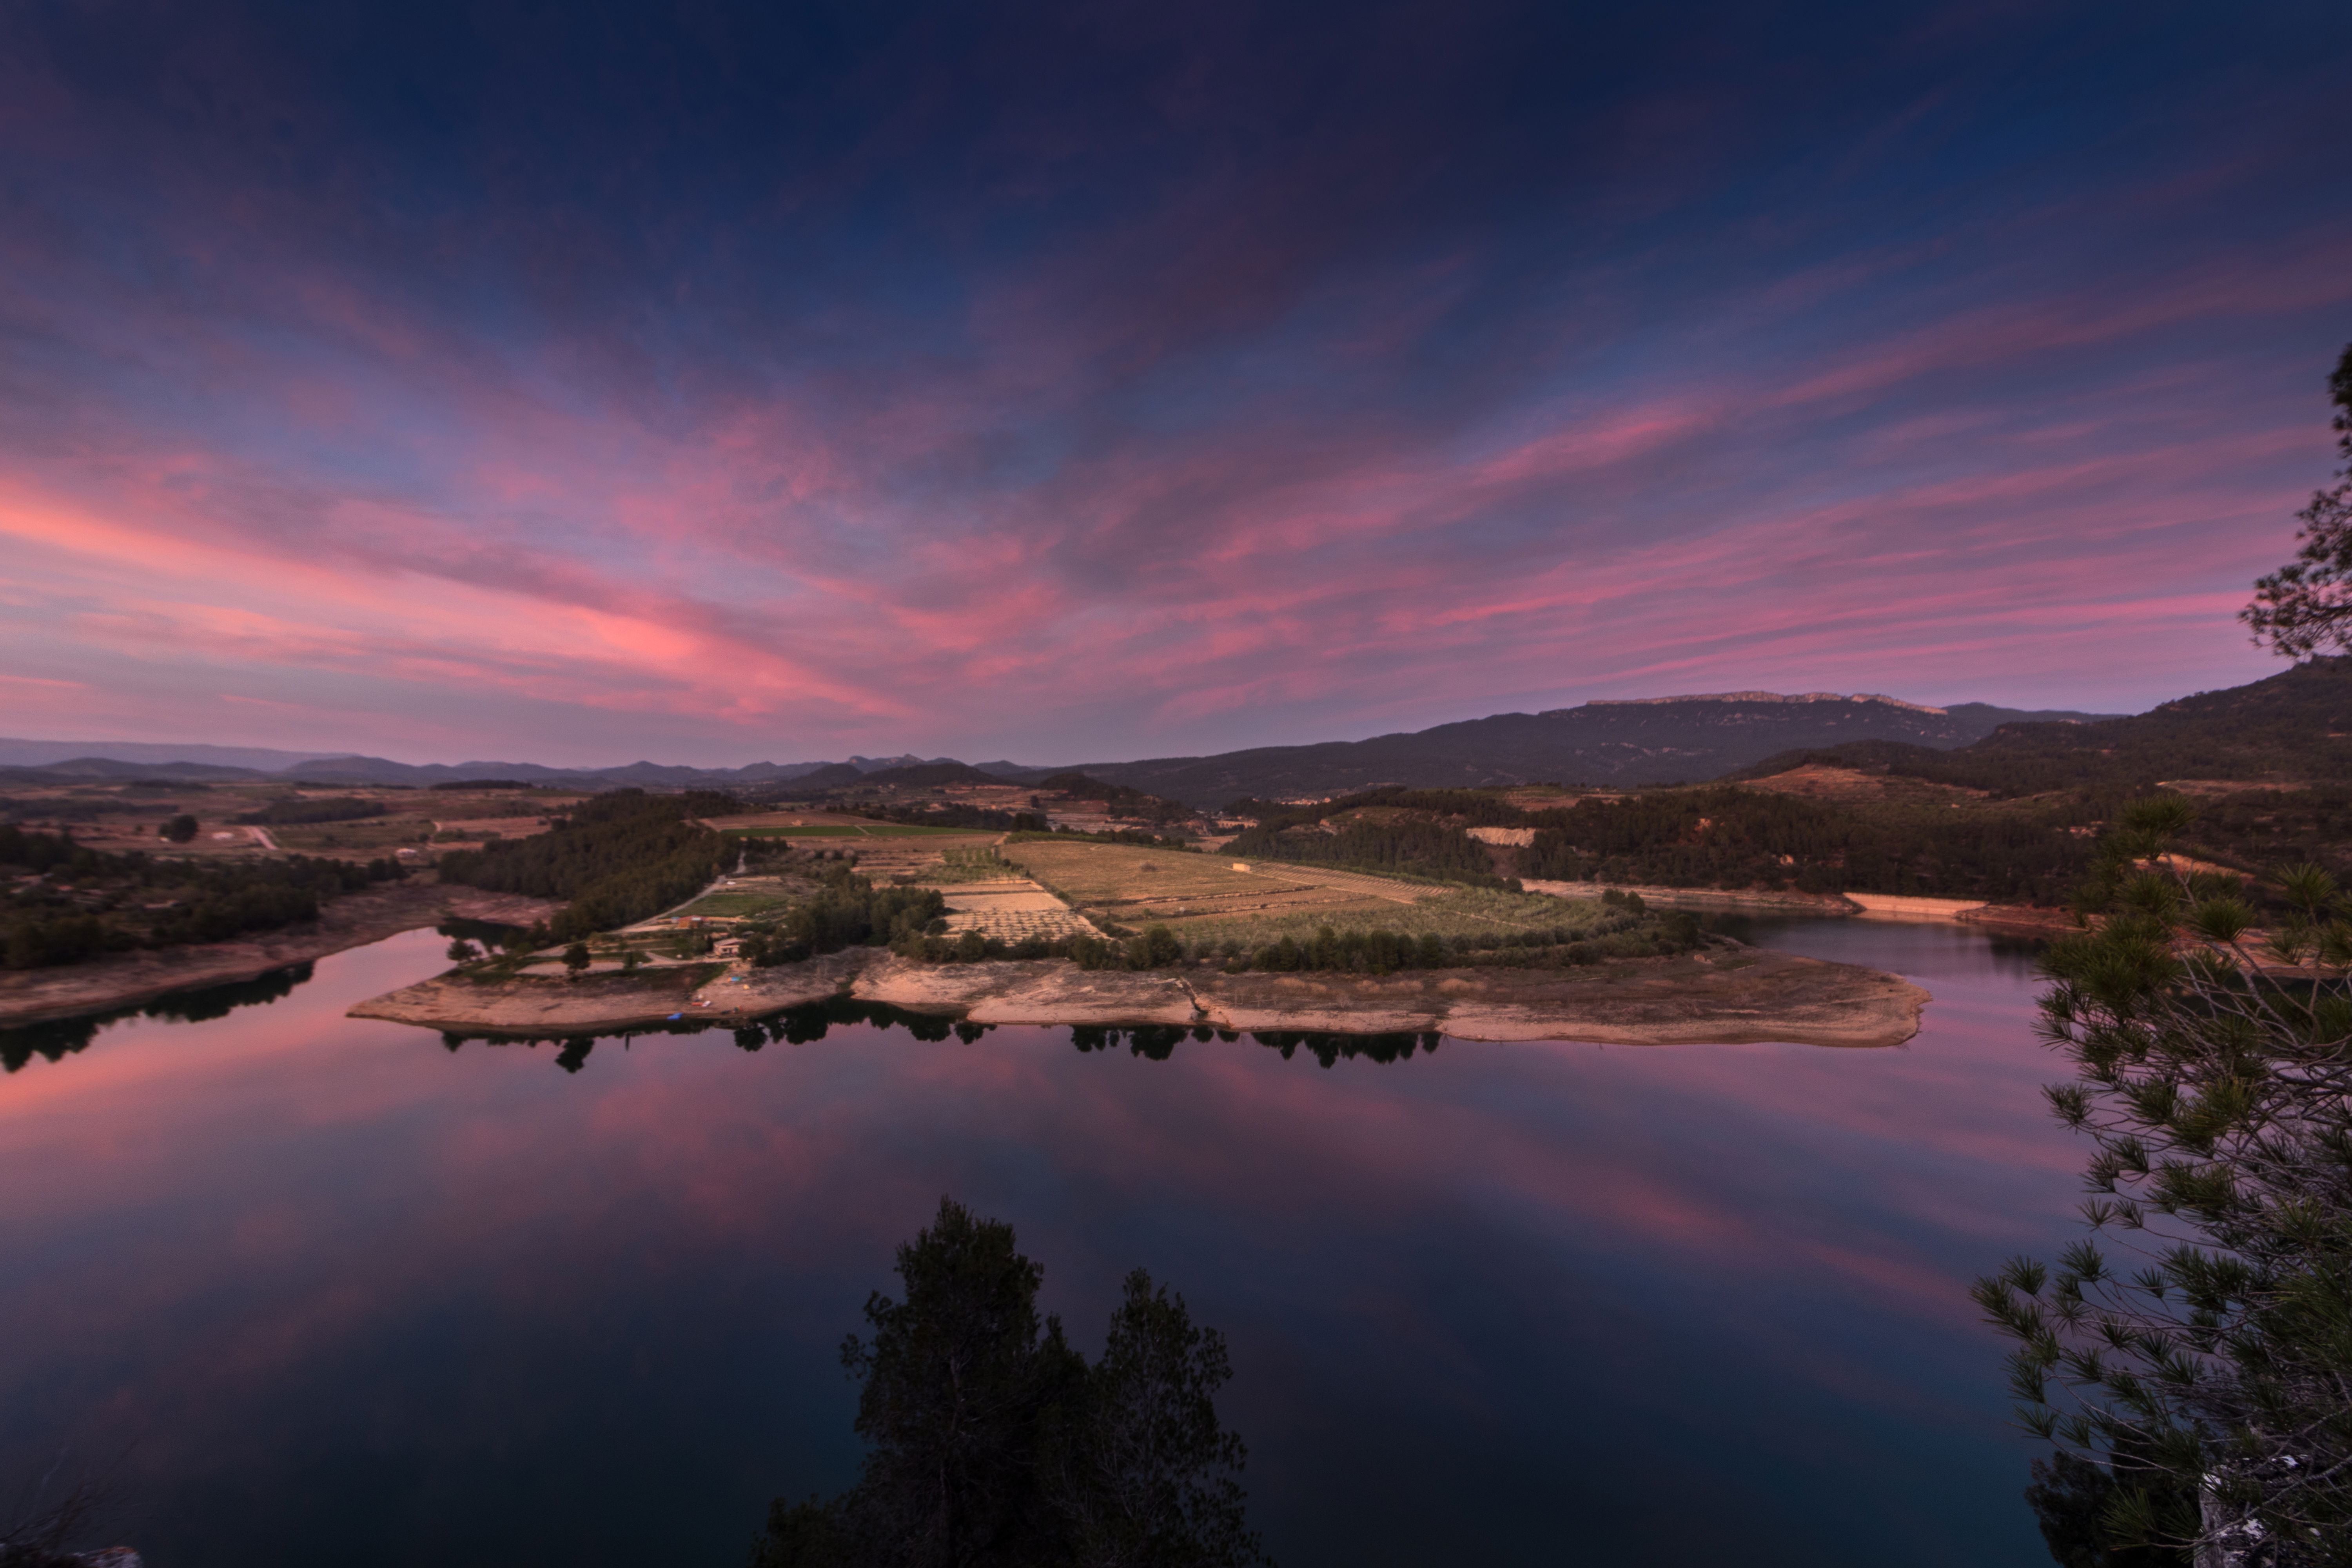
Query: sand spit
point(1716, 998)
point(354, 920)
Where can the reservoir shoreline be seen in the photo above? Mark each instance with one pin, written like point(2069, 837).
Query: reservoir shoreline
point(1725, 996)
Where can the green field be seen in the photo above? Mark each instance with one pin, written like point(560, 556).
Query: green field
point(879, 830)
point(739, 905)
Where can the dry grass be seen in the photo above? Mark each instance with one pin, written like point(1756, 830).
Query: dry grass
point(1205, 901)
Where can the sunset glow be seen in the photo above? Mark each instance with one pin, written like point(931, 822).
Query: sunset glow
point(449, 383)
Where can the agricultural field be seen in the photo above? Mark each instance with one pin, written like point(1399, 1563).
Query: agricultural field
point(844, 830)
point(1205, 901)
point(117, 818)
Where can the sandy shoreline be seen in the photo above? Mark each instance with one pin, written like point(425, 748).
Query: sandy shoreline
point(354, 920)
point(1721, 997)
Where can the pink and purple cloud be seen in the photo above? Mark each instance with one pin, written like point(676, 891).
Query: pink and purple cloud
point(1085, 384)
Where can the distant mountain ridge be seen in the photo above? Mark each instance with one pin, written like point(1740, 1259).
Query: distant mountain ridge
point(1626, 741)
point(1661, 740)
point(2292, 727)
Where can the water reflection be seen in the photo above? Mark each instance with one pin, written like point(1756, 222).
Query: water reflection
point(55, 1040)
point(804, 1025)
point(1519, 1303)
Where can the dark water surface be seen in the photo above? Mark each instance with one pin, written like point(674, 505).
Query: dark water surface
point(347, 1295)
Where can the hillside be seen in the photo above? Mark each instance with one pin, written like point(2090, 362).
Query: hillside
point(2293, 727)
point(1656, 741)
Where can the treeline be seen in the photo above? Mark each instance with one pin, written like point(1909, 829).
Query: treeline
point(956, 813)
point(90, 903)
point(617, 858)
point(847, 910)
point(1629, 932)
point(1135, 802)
point(1136, 837)
point(1468, 807)
point(1718, 836)
point(1725, 836)
point(293, 813)
point(1411, 844)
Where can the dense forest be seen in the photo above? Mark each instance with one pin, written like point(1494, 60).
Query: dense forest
point(1715, 835)
point(1723, 837)
point(617, 857)
point(70, 902)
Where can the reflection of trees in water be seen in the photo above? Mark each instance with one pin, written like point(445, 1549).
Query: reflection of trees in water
point(494, 936)
point(804, 1025)
point(59, 1038)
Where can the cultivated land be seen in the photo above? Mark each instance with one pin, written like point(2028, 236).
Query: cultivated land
point(1721, 994)
point(1205, 898)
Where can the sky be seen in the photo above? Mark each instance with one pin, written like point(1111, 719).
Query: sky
point(713, 383)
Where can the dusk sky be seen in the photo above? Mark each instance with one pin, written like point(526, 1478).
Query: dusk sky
point(572, 384)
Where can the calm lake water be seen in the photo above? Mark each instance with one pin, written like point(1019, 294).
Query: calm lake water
point(325, 1290)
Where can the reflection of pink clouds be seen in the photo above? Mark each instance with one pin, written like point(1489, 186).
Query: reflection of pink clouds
point(356, 1179)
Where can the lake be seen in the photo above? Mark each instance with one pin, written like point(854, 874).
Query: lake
point(319, 1290)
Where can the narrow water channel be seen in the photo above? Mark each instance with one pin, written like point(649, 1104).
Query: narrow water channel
point(317, 1290)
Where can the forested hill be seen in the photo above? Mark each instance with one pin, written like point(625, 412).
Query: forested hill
point(2293, 727)
point(1663, 741)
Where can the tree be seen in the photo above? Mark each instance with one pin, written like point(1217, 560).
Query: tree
point(180, 828)
point(463, 952)
point(576, 959)
point(2306, 604)
point(992, 1442)
point(2211, 1382)
point(1146, 1477)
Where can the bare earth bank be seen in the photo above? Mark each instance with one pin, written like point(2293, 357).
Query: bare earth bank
point(354, 920)
point(1714, 998)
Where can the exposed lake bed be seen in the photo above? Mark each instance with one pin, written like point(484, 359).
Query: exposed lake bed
point(1723, 996)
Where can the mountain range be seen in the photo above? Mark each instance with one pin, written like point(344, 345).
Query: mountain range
point(1644, 741)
